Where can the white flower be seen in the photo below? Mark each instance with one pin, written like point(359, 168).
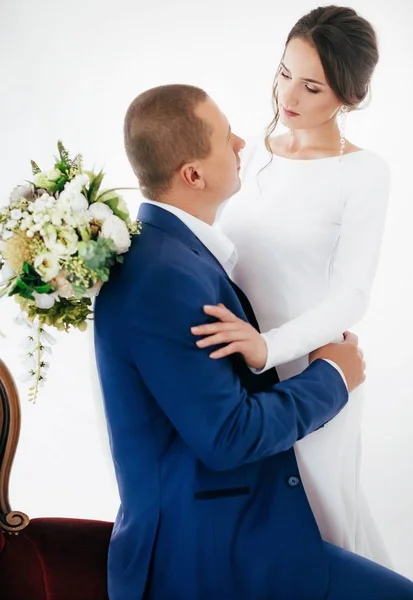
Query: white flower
point(21, 320)
point(42, 181)
point(30, 363)
point(28, 345)
point(54, 175)
point(79, 203)
point(26, 224)
point(79, 181)
point(16, 214)
point(100, 211)
point(60, 240)
point(47, 265)
point(49, 338)
point(113, 198)
point(49, 236)
point(24, 377)
point(7, 235)
point(39, 205)
point(45, 301)
point(66, 242)
point(116, 230)
point(56, 217)
point(22, 191)
point(71, 199)
point(11, 224)
point(6, 272)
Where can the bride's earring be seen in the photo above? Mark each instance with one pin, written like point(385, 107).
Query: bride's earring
point(342, 118)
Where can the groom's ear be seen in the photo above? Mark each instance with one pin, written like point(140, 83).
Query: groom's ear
point(192, 175)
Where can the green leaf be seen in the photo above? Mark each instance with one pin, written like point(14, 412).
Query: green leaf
point(22, 289)
point(119, 189)
point(61, 182)
point(30, 273)
point(43, 289)
point(35, 168)
point(27, 294)
point(28, 282)
point(63, 153)
point(62, 166)
point(77, 162)
point(97, 254)
point(113, 203)
point(95, 184)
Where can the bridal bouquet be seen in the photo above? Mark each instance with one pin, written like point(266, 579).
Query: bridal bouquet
point(60, 235)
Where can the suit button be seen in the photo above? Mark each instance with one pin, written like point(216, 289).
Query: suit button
point(293, 481)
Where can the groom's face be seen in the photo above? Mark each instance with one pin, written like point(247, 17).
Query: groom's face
point(220, 169)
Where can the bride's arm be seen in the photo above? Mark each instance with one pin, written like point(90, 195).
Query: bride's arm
point(353, 270)
point(353, 267)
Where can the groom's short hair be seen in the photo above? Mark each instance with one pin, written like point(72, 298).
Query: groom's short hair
point(162, 133)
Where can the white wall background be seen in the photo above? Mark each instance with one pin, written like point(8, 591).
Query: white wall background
point(69, 71)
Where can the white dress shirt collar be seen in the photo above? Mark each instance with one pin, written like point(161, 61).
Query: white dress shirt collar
point(216, 242)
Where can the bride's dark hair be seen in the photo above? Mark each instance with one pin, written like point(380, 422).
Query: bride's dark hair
point(347, 46)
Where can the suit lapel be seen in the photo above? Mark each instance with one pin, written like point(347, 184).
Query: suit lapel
point(168, 222)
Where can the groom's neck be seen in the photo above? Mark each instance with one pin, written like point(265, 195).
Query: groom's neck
point(202, 210)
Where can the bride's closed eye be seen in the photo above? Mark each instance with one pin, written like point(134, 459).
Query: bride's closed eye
point(309, 89)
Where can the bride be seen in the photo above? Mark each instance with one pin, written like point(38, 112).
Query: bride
point(308, 226)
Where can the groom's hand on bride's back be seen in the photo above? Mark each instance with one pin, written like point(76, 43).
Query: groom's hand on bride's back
point(348, 356)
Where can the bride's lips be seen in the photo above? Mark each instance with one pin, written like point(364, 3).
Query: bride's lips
point(290, 113)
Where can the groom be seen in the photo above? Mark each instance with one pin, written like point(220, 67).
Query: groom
point(212, 506)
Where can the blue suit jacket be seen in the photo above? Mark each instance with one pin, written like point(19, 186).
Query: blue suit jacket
point(212, 506)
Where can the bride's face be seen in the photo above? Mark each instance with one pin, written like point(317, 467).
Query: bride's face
point(305, 99)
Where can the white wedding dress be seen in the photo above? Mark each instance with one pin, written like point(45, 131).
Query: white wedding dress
point(308, 235)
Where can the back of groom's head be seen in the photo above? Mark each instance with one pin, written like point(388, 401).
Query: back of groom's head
point(162, 132)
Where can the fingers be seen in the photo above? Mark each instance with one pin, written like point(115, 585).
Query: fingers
point(227, 350)
point(221, 312)
point(350, 338)
point(227, 321)
point(221, 338)
point(211, 328)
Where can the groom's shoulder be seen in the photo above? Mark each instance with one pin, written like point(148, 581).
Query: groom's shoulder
point(160, 258)
point(159, 249)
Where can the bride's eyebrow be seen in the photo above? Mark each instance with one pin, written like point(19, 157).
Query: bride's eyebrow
point(304, 78)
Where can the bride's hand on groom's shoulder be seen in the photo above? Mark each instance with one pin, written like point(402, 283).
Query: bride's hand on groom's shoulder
point(237, 335)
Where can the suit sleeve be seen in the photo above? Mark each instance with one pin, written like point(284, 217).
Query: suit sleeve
point(203, 398)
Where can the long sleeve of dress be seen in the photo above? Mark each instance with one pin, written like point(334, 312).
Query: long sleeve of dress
point(353, 267)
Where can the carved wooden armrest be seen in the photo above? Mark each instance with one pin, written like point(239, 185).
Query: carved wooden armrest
point(10, 521)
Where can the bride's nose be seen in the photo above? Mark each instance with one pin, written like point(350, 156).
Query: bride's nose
point(290, 101)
